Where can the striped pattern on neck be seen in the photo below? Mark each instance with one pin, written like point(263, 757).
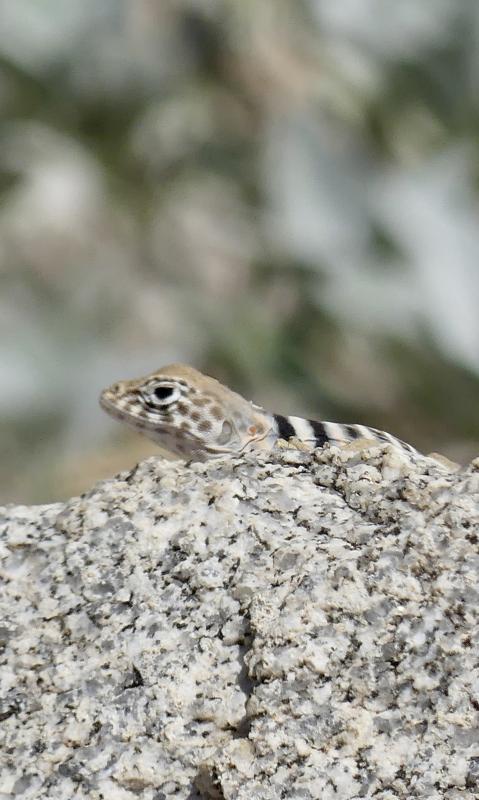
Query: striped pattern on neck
point(321, 433)
point(195, 416)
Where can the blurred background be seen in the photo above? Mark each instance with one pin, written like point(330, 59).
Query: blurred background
point(284, 195)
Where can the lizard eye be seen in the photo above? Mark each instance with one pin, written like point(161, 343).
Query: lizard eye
point(163, 395)
point(163, 392)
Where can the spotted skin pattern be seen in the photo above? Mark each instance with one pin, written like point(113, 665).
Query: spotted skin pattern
point(195, 416)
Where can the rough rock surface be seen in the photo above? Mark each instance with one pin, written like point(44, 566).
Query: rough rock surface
point(295, 626)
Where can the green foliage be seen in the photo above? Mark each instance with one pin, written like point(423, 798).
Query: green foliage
point(229, 184)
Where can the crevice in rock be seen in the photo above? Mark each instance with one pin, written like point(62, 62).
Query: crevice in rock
point(207, 783)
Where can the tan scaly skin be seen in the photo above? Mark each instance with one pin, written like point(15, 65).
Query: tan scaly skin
point(188, 413)
point(196, 417)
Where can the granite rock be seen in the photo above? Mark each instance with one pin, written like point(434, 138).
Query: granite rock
point(297, 625)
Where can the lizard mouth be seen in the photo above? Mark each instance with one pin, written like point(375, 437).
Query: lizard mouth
point(111, 407)
point(121, 409)
point(131, 414)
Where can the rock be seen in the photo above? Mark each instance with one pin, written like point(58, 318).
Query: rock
point(299, 625)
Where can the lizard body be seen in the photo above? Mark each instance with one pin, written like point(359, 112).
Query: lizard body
point(195, 416)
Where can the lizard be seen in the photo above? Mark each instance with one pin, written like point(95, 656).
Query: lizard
point(195, 417)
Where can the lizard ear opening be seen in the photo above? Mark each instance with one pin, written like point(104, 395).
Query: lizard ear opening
point(226, 432)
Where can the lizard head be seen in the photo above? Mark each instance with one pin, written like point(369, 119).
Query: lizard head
point(187, 412)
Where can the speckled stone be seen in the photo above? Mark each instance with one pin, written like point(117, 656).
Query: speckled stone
point(299, 625)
